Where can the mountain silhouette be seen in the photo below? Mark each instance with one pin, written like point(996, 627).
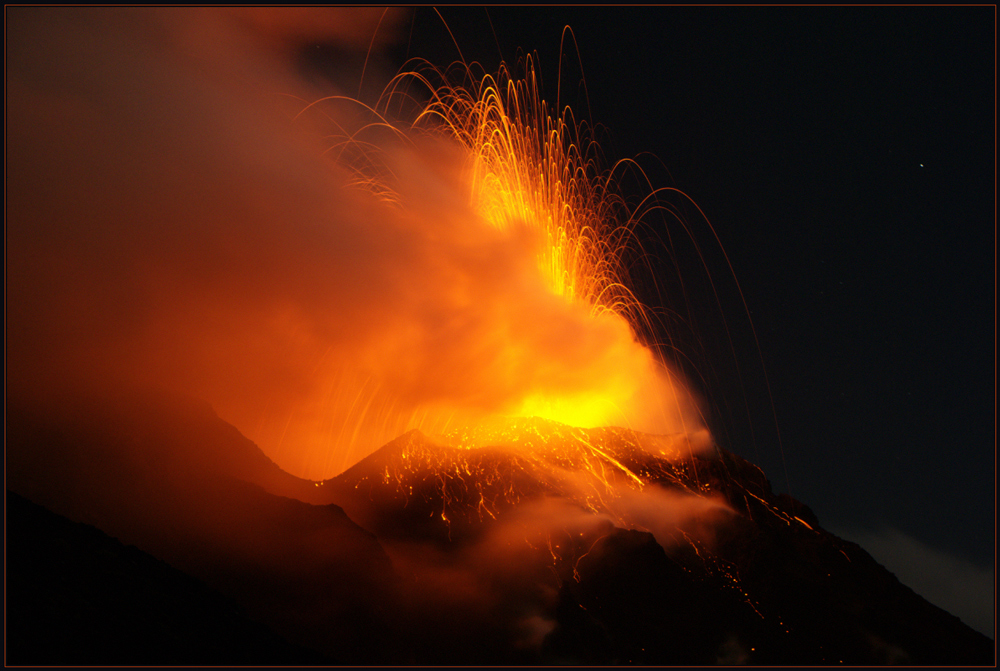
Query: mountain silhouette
point(74, 594)
point(165, 475)
point(520, 542)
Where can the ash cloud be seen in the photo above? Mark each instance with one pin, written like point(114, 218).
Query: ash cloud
point(173, 222)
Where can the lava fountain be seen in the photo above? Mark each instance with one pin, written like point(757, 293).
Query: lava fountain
point(532, 316)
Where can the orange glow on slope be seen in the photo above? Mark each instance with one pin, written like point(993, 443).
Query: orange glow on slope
point(481, 471)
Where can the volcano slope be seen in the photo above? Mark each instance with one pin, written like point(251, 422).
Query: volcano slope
point(609, 546)
point(522, 542)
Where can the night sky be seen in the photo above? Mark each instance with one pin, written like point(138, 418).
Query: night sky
point(844, 157)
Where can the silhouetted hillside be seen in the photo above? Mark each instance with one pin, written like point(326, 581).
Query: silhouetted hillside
point(540, 544)
point(77, 596)
point(164, 475)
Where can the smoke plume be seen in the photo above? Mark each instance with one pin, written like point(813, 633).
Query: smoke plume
point(173, 222)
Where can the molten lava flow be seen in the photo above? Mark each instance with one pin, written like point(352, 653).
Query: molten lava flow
point(497, 464)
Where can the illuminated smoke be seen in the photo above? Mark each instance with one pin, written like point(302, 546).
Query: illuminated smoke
point(176, 220)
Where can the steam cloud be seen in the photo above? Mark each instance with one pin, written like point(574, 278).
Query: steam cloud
point(171, 223)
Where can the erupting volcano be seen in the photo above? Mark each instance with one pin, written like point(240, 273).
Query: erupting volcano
point(517, 301)
point(443, 428)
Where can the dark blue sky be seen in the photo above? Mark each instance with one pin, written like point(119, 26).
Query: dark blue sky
point(845, 158)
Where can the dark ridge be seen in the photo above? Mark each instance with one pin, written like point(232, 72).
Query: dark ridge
point(164, 476)
point(76, 596)
point(152, 429)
